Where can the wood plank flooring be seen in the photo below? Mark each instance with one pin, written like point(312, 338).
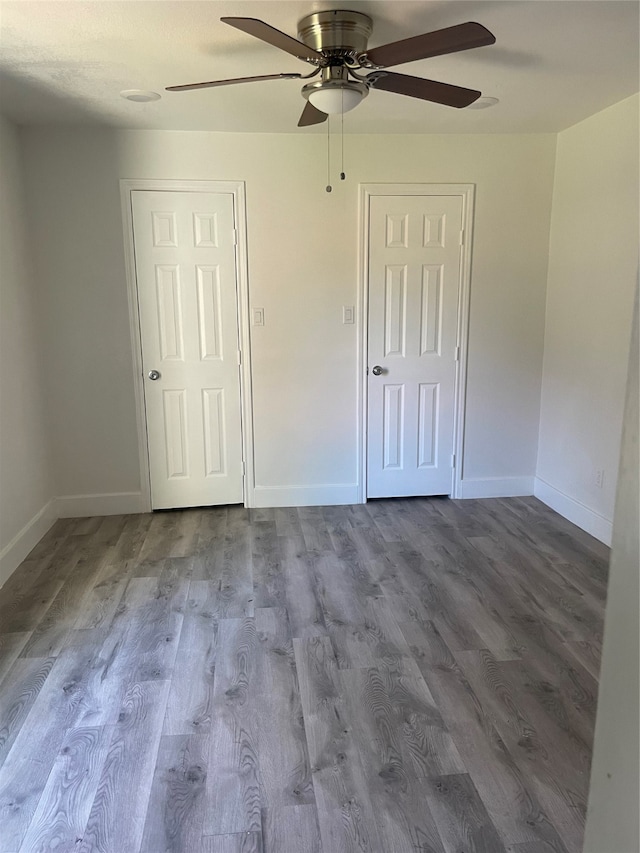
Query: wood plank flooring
point(408, 676)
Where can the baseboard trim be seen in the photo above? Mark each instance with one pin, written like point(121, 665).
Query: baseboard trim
point(83, 506)
point(574, 511)
point(26, 540)
point(325, 495)
point(496, 487)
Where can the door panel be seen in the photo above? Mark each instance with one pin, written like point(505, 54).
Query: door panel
point(414, 284)
point(186, 276)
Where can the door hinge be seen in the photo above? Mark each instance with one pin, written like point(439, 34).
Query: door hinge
point(235, 237)
point(239, 357)
point(457, 354)
point(462, 238)
point(453, 460)
point(244, 468)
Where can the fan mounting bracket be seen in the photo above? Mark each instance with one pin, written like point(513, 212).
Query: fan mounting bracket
point(337, 33)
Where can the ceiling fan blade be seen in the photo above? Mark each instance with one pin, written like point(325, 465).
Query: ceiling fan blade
point(427, 90)
point(213, 83)
point(311, 115)
point(437, 43)
point(260, 30)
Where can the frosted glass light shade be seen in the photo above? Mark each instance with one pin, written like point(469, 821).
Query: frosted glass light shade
point(335, 99)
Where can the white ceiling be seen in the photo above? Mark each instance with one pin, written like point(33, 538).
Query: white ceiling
point(553, 64)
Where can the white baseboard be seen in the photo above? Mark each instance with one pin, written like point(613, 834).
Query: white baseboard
point(575, 511)
point(83, 506)
point(26, 540)
point(326, 495)
point(496, 487)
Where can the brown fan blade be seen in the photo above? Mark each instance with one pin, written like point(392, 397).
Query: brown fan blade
point(437, 43)
point(260, 30)
point(427, 90)
point(311, 115)
point(213, 83)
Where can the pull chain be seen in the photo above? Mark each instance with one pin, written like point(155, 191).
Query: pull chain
point(342, 174)
point(329, 187)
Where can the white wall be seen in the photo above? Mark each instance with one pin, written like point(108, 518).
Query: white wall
point(612, 815)
point(302, 268)
point(25, 481)
point(593, 267)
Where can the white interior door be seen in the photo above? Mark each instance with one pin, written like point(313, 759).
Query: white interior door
point(415, 246)
point(186, 277)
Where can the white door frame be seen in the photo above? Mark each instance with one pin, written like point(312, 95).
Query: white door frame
point(467, 193)
point(237, 189)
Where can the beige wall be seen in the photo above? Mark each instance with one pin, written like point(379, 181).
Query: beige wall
point(25, 482)
point(612, 815)
point(302, 245)
point(593, 267)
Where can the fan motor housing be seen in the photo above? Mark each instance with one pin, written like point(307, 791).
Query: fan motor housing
point(336, 30)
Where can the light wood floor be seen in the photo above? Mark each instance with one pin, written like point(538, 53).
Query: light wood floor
point(401, 677)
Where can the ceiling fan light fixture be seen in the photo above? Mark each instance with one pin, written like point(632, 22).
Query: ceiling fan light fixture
point(335, 96)
point(335, 99)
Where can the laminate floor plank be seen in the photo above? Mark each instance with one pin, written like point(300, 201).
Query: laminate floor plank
point(290, 829)
point(21, 585)
point(314, 530)
point(287, 521)
point(404, 676)
point(304, 608)
point(24, 612)
point(177, 804)
point(111, 529)
point(101, 604)
point(10, 647)
point(231, 568)
point(588, 655)
point(211, 534)
point(282, 748)
point(505, 790)
point(238, 842)
point(572, 614)
point(19, 692)
point(116, 820)
point(190, 703)
point(146, 629)
point(65, 805)
point(389, 717)
point(461, 816)
point(131, 540)
point(48, 638)
point(233, 783)
point(158, 541)
point(557, 761)
point(26, 768)
point(345, 812)
point(269, 586)
point(419, 580)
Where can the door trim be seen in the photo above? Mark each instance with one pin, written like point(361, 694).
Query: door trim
point(467, 193)
point(237, 189)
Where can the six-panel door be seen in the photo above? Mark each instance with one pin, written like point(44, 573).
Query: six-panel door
point(186, 278)
point(414, 282)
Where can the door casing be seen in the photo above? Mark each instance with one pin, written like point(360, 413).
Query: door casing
point(467, 193)
point(237, 189)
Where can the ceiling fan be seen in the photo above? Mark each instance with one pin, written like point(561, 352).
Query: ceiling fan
point(335, 42)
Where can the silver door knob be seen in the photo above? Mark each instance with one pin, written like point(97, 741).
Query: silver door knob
point(377, 370)
point(154, 374)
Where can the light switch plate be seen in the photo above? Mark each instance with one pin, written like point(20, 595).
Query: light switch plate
point(257, 316)
point(348, 315)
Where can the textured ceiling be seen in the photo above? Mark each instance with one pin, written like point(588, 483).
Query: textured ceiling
point(553, 64)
